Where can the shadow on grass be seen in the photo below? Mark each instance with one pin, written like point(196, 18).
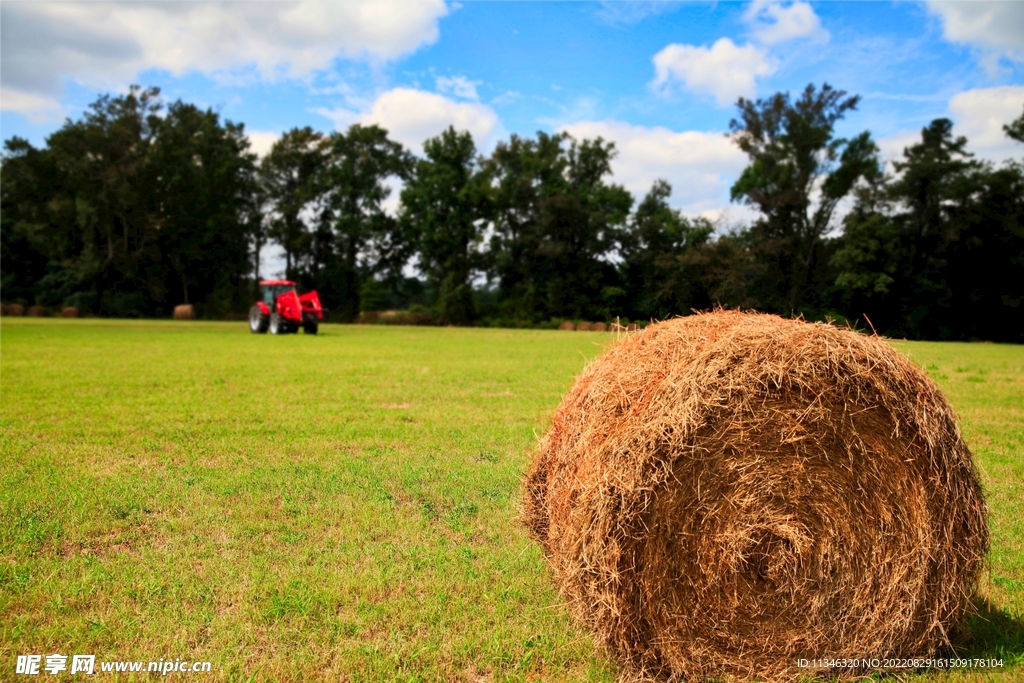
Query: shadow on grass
point(993, 633)
point(990, 633)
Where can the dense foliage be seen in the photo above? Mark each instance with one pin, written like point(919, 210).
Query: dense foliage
point(130, 210)
point(137, 207)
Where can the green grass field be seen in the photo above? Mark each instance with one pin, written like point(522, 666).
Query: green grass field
point(343, 506)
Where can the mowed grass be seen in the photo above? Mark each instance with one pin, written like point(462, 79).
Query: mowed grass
point(343, 506)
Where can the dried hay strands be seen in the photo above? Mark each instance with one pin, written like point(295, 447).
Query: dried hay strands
point(722, 494)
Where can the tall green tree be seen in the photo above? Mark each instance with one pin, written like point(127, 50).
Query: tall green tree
point(869, 257)
point(102, 160)
point(936, 252)
point(34, 241)
point(133, 209)
point(1015, 129)
point(987, 262)
point(961, 222)
point(290, 175)
point(524, 173)
point(579, 227)
point(934, 182)
point(367, 242)
point(556, 222)
point(204, 194)
point(798, 173)
point(85, 203)
point(444, 207)
point(658, 281)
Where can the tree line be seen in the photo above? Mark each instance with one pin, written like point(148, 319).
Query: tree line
point(138, 206)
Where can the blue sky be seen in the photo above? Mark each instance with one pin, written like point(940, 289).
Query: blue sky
point(660, 79)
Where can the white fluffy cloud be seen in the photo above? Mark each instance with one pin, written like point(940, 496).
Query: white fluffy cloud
point(979, 115)
point(37, 108)
point(42, 45)
point(260, 141)
point(459, 86)
point(773, 22)
point(725, 70)
point(701, 166)
point(729, 71)
point(890, 147)
point(617, 13)
point(412, 116)
point(997, 28)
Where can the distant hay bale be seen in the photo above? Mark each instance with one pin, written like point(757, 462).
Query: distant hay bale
point(36, 311)
point(583, 326)
point(184, 312)
point(598, 327)
point(15, 310)
point(567, 325)
point(722, 494)
point(69, 312)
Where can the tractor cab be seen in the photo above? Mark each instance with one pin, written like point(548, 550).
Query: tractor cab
point(281, 310)
point(272, 291)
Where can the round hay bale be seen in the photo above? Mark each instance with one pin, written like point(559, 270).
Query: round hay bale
point(184, 312)
point(15, 310)
point(36, 311)
point(583, 327)
point(567, 325)
point(69, 312)
point(723, 494)
point(598, 327)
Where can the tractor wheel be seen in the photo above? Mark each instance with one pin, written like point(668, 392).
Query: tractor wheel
point(278, 324)
point(310, 327)
point(257, 321)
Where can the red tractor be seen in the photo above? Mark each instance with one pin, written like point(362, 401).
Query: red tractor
point(282, 310)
